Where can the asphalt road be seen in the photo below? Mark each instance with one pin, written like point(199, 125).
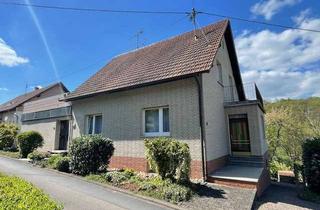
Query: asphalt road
point(73, 192)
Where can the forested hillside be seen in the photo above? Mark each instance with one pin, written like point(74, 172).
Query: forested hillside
point(289, 123)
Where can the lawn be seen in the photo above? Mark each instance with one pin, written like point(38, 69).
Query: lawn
point(15, 193)
point(9, 154)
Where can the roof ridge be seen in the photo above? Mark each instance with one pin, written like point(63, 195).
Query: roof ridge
point(168, 39)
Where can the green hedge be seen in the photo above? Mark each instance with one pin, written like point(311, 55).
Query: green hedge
point(29, 141)
point(169, 158)
point(8, 133)
point(59, 163)
point(16, 193)
point(89, 153)
point(311, 163)
point(38, 156)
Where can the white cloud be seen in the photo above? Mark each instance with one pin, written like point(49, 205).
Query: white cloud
point(269, 8)
point(9, 57)
point(284, 64)
point(4, 89)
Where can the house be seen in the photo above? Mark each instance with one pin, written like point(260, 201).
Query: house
point(188, 87)
point(42, 111)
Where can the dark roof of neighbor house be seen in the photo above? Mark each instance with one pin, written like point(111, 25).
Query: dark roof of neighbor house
point(12, 104)
point(174, 58)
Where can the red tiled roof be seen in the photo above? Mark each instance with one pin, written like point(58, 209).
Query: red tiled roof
point(25, 97)
point(172, 58)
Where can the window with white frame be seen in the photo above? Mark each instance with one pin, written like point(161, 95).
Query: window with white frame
point(94, 124)
point(156, 122)
point(220, 76)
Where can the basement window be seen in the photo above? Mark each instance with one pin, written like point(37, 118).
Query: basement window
point(156, 122)
point(94, 124)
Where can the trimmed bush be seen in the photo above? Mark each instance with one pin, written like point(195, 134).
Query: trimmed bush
point(29, 141)
point(169, 158)
point(59, 163)
point(311, 162)
point(8, 133)
point(116, 177)
point(165, 189)
point(16, 193)
point(89, 153)
point(37, 156)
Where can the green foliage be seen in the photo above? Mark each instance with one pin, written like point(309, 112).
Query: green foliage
point(309, 195)
point(164, 189)
point(10, 154)
point(16, 193)
point(116, 177)
point(311, 162)
point(169, 158)
point(8, 133)
point(155, 187)
point(59, 163)
point(275, 166)
point(29, 141)
point(89, 153)
point(37, 156)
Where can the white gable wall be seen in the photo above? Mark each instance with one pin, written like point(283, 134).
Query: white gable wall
point(217, 143)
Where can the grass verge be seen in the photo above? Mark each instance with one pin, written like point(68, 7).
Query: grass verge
point(9, 154)
point(15, 193)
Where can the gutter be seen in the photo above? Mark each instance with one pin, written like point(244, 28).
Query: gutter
point(202, 127)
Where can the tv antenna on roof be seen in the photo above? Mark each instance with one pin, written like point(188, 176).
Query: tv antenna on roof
point(137, 35)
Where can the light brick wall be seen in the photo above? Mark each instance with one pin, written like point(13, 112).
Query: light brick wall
point(122, 115)
point(47, 129)
point(217, 143)
point(253, 111)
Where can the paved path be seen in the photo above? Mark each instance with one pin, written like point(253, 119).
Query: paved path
point(283, 198)
point(74, 193)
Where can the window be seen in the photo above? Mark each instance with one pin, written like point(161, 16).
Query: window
point(94, 124)
point(156, 122)
point(231, 90)
point(220, 77)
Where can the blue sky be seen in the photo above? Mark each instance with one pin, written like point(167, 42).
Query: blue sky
point(34, 42)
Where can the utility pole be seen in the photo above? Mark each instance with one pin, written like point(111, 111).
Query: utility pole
point(137, 35)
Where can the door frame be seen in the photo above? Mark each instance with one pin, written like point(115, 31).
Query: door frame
point(67, 121)
point(245, 117)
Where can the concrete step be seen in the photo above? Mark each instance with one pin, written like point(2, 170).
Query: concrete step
point(254, 161)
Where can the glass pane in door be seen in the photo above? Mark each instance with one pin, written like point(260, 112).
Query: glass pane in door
point(239, 135)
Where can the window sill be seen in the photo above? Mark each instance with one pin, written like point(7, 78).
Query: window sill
point(165, 134)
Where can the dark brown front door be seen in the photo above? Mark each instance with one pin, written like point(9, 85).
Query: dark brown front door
point(239, 134)
point(64, 134)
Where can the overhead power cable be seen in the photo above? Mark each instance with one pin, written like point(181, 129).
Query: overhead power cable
point(95, 9)
point(157, 12)
point(259, 22)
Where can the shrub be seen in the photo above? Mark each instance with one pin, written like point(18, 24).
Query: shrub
point(89, 153)
point(276, 166)
point(16, 193)
point(116, 177)
point(311, 162)
point(169, 158)
point(37, 156)
point(165, 189)
point(29, 141)
point(8, 133)
point(176, 193)
point(59, 163)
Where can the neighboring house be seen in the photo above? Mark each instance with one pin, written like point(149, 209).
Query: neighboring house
point(41, 110)
point(188, 87)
